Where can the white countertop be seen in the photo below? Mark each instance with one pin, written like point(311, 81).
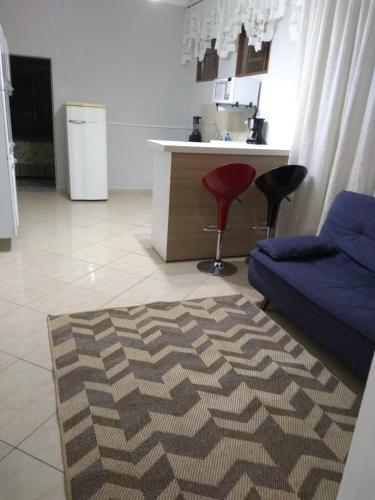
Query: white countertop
point(218, 147)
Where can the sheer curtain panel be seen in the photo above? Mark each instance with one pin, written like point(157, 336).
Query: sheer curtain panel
point(223, 20)
point(335, 129)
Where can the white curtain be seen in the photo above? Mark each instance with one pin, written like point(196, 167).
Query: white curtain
point(335, 131)
point(223, 20)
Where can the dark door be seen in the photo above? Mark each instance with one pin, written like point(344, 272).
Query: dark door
point(31, 115)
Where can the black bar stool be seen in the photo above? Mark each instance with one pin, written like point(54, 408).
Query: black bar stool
point(276, 185)
point(225, 183)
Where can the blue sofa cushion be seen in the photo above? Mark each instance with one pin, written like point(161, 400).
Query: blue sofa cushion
point(335, 283)
point(350, 225)
point(340, 339)
point(295, 246)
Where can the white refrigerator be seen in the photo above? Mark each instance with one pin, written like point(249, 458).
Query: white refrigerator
point(87, 151)
point(8, 194)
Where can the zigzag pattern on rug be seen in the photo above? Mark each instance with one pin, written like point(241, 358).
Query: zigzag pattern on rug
point(198, 399)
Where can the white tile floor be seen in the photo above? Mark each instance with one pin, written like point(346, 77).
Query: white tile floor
point(72, 256)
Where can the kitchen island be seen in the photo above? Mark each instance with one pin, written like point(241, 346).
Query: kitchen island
point(181, 206)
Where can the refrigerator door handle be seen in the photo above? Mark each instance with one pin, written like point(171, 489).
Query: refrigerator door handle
point(77, 122)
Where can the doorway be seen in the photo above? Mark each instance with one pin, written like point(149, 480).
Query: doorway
point(32, 123)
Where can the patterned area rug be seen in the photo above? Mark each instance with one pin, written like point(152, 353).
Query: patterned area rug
point(199, 399)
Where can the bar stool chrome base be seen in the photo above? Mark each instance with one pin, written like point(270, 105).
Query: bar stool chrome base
point(216, 268)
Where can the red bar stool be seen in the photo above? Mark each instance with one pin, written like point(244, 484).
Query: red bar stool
point(225, 183)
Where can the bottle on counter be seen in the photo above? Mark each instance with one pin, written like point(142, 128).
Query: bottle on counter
point(227, 137)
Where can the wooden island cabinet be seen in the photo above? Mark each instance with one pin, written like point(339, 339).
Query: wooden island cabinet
point(181, 206)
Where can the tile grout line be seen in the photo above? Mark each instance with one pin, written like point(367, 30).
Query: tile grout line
point(19, 358)
point(135, 284)
point(99, 266)
point(64, 283)
point(6, 442)
point(36, 458)
point(11, 363)
point(195, 288)
point(87, 243)
point(80, 226)
point(27, 306)
point(34, 431)
point(154, 279)
point(8, 452)
point(17, 447)
point(59, 255)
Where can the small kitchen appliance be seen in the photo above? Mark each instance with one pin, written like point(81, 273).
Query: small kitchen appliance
point(256, 128)
point(196, 135)
point(236, 91)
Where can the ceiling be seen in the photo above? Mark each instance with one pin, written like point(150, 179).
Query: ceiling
point(174, 2)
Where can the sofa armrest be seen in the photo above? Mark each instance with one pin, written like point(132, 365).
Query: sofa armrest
point(292, 247)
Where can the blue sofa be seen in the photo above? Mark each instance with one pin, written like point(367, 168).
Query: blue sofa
point(331, 295)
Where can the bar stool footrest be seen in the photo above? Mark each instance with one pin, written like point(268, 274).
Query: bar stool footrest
point(214, 229)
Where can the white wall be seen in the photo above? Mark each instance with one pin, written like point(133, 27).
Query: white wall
point(123, 53)
point(126, 54)
point(278, 91)
point(358, 482)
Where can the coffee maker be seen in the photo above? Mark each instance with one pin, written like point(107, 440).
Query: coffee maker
point(196, 134)
point(255, 126)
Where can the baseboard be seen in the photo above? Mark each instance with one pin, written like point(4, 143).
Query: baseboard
point(62, 190)
point(130, 190)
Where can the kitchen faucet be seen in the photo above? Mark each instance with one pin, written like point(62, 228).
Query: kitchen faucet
point(219, 136)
